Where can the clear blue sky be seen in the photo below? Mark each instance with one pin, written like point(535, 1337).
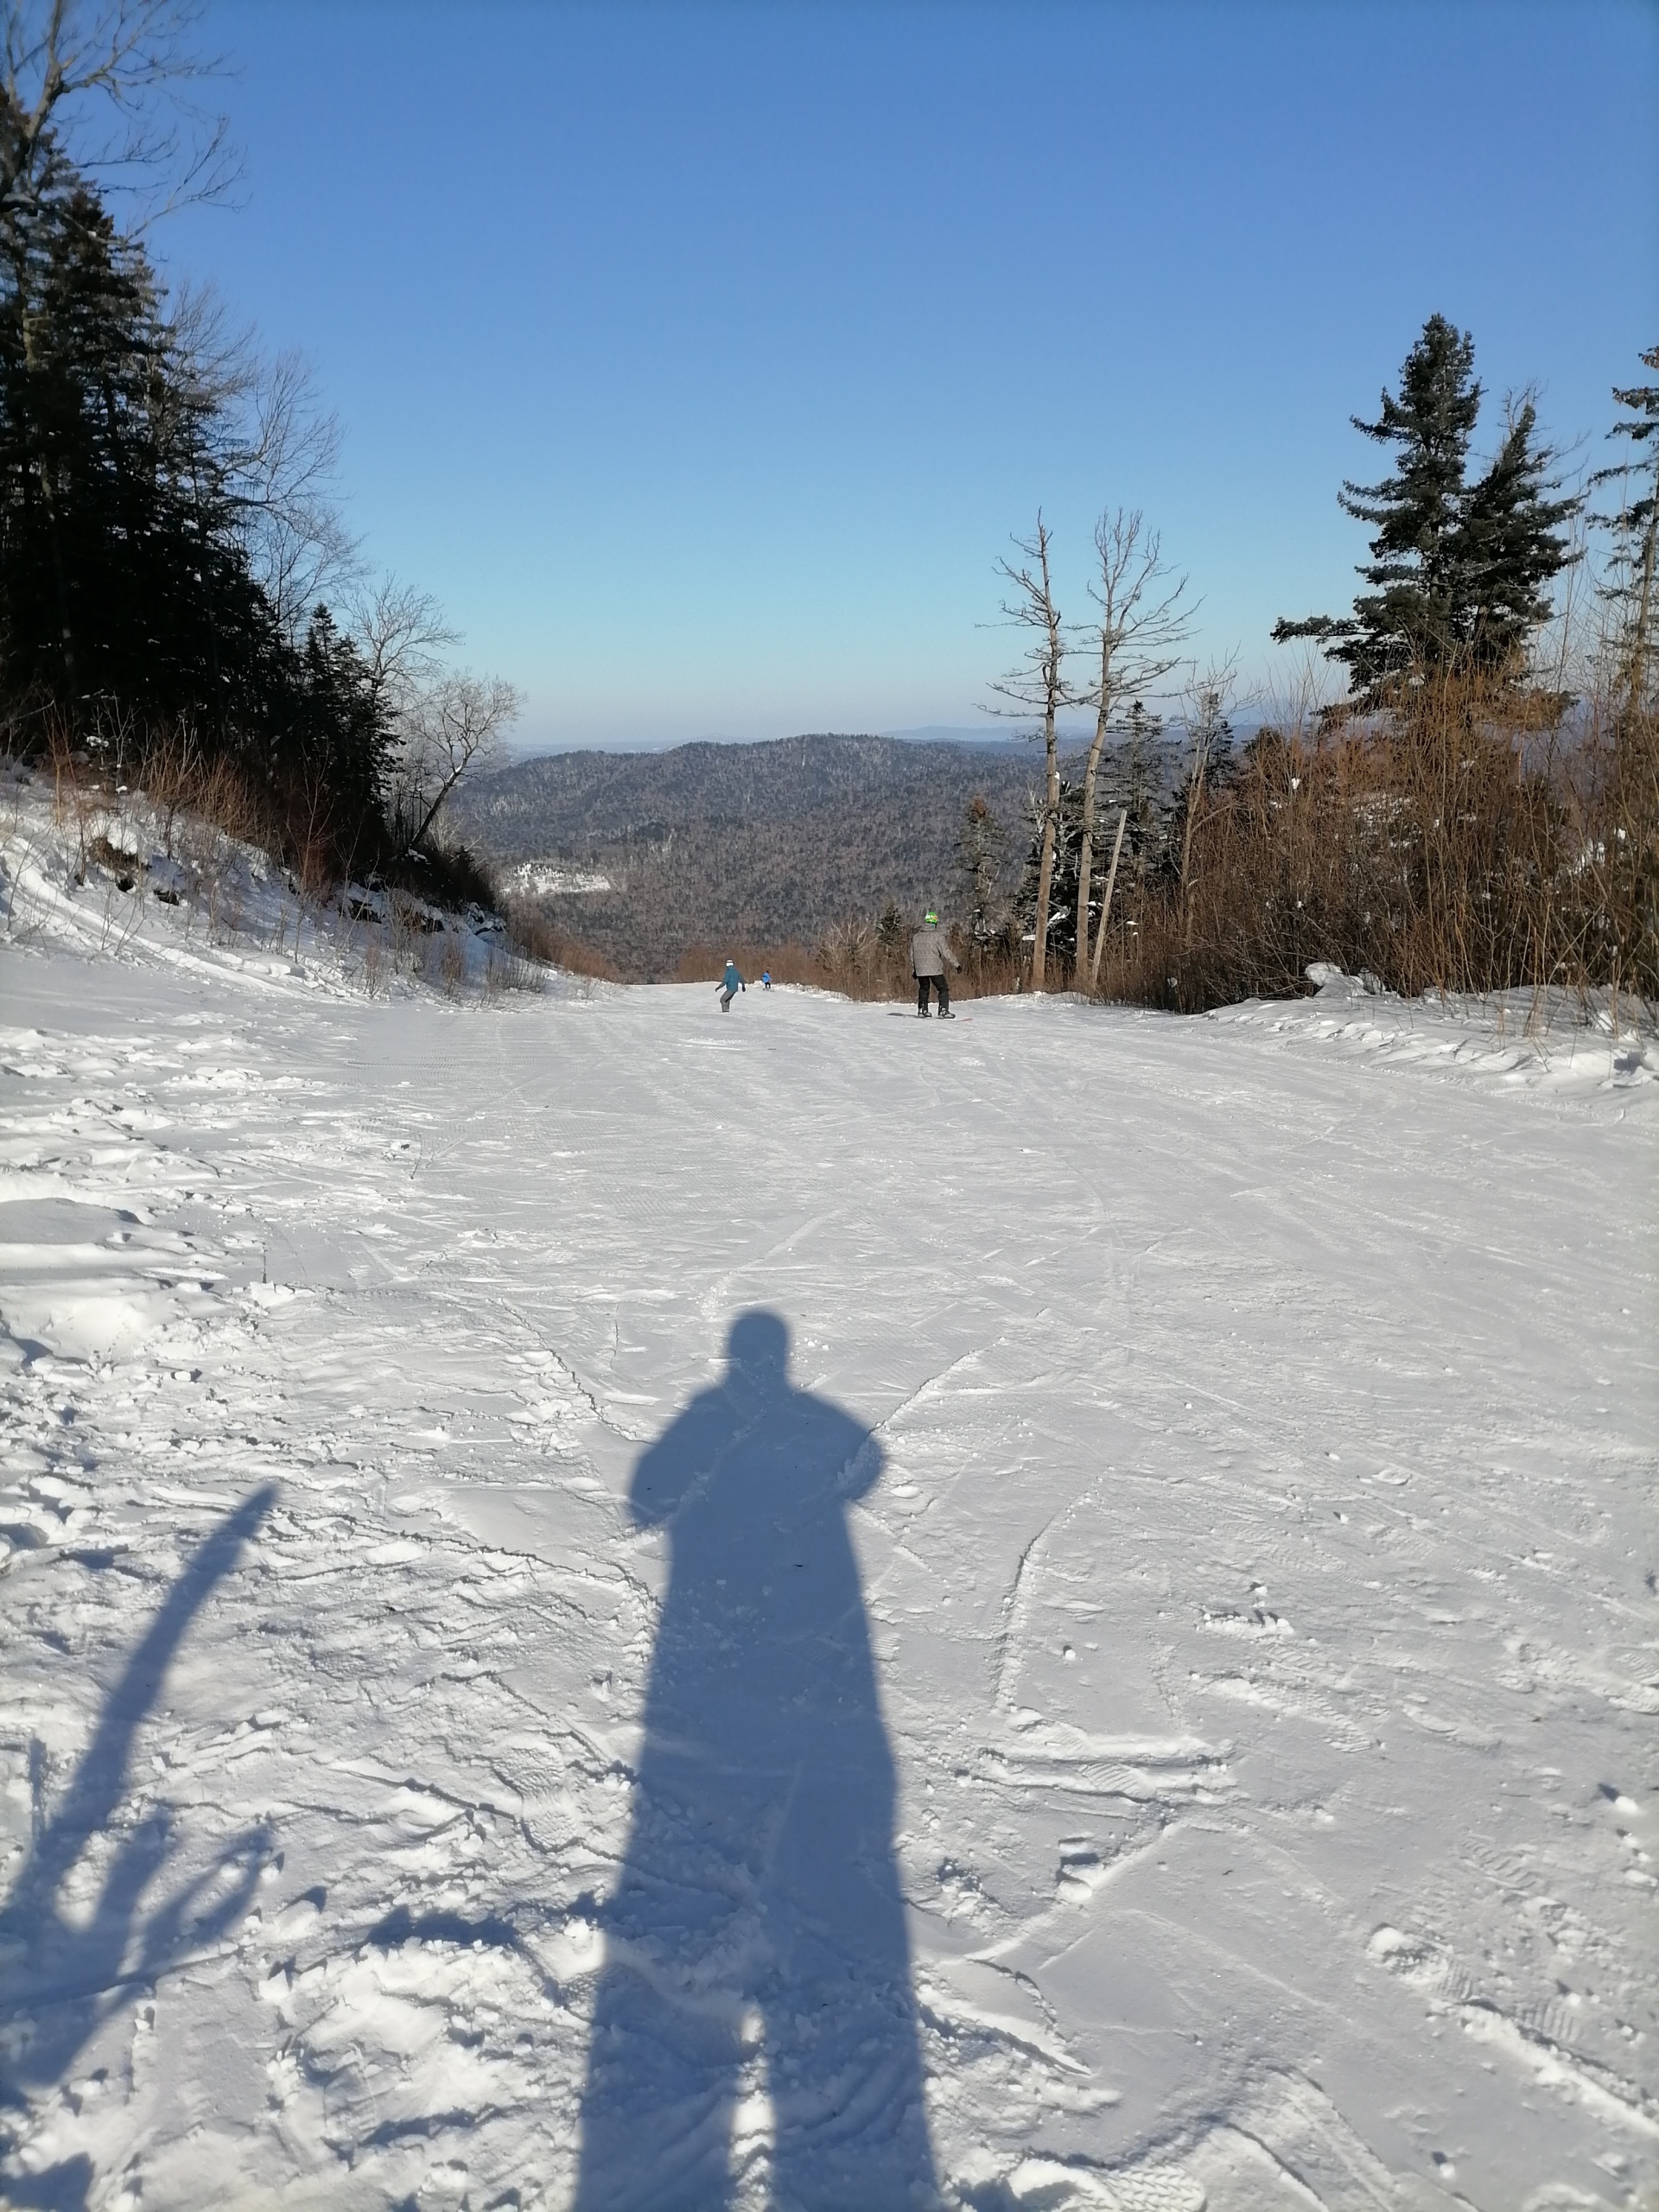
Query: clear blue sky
point(702, 359)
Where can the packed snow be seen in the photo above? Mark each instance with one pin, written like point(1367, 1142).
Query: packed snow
point(609, 1604)
point(540, 879)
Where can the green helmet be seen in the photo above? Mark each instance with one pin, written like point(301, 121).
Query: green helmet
point(930, 916)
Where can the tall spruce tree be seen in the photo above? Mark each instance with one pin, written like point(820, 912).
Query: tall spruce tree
point(1511, 544)
point(128, 598)
point(123, 581)
point(1630, 586)
point(344, 737)
point(979, 862)
point(1458, 572)
point(1138, 788)
point(160, 500)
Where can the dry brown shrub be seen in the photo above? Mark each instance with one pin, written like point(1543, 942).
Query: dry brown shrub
point(375, 963)
point(201, 798)
point(507, 970)
point(788, 962)
point(1459, 847)
point(532, 937)
point(452, 962)
point(120, 863)
point(988, 971)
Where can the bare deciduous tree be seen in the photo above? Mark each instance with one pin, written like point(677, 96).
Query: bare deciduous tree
point(300, 549)
point(1142, 626)
point(1038, 687)
point(401, 633)
point(66, 62)
point(452, 725)
point(275, 457)
point(1106, 900)
point(443, 722)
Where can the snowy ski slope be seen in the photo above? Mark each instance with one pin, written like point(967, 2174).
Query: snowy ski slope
point(1155, 1709)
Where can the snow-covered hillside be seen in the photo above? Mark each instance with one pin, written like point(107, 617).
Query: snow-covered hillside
point(1154, 1707)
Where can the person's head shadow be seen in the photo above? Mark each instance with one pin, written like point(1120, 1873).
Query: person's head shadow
point(757, 1349)
point(64, 1975)
point(758, 1918)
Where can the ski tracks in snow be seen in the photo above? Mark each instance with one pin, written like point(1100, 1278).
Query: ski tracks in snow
point(1255, 1577)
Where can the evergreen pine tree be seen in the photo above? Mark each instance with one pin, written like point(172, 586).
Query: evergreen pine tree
point(1631, 588)
point(158, 500)
point(1408, 618)
point(1139, 794)
point(1509, 548)
point(344, 738)
point(127, 595)
point(980, 862)
point(1210, 765)
point(1458, 572)
point(123, 577)
point(1067, 852)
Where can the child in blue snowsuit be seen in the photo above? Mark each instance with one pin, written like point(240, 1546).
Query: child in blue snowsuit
point(730, 984)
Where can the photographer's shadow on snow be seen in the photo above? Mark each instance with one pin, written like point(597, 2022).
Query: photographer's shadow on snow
point(756, 1936)
point(64, 1973)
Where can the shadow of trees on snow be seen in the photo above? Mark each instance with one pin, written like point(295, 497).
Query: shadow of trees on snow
point(65, 1972)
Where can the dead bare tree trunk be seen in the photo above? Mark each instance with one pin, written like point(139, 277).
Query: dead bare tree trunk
point(1106, 901)
point(1038, 687)
point(1639, 648)
point(1046, 865)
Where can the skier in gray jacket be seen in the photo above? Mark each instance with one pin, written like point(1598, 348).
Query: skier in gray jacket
point(928, 955)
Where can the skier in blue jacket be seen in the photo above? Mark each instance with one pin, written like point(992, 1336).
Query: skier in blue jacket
point(730, 984)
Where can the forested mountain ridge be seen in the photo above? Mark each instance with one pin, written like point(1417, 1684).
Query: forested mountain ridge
point(749, 843)
point(571, 796)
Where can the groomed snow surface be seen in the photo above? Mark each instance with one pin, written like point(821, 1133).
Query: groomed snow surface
point(613, 1605)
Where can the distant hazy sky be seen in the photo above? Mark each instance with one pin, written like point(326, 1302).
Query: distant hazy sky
point(702, 359)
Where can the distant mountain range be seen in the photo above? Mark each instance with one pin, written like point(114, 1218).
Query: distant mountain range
point(994, 730)
point(721, 845)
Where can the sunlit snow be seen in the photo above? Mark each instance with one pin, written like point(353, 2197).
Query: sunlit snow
point(1056, 1611)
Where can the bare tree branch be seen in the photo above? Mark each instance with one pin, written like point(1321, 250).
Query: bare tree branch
point(276, 459)
point(102, 83)
point(452, 727)
point(1142, 626)
point(400, 632)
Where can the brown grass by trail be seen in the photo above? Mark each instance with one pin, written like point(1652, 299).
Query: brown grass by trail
point(532, 937)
